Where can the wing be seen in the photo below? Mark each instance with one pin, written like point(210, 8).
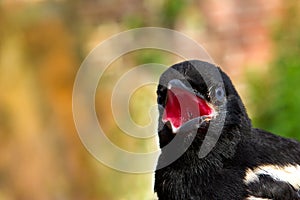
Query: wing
point(271, 187)
point(274, 149)
point(275, 169)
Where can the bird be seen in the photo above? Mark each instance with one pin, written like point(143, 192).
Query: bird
point(209, 148)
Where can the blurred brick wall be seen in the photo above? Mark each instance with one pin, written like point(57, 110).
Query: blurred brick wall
point(240, 32)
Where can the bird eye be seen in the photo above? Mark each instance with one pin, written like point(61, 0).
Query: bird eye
point(219, 93)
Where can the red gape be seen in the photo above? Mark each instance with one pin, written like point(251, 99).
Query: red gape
point(182, 106)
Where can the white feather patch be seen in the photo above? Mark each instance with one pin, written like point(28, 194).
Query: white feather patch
point(255, 198)
point(288, 173)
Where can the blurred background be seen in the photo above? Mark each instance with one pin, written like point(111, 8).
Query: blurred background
point(43, 42)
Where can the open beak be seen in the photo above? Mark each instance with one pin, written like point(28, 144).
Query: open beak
point(184, 109)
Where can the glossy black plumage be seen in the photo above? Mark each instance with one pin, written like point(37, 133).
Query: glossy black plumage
point(221, 173)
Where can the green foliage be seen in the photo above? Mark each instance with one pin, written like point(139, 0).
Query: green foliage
point(150, 56)
point(134, 21)
point(277, 104)
point(171, 10)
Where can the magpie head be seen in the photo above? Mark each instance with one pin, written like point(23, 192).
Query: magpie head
point(194, 95)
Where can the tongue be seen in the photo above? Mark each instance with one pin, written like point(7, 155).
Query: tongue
point(182, 106)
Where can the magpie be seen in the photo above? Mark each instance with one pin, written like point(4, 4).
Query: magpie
point(209, 149)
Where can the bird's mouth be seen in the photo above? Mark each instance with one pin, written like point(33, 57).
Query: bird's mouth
point(185, 108)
